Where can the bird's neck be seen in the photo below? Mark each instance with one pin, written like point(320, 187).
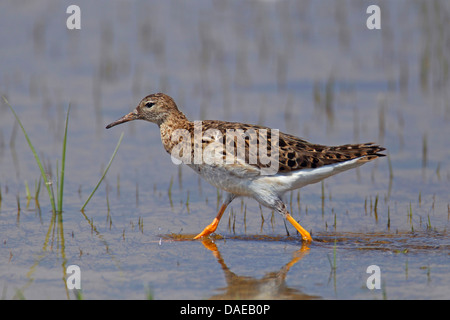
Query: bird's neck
point(174, 126)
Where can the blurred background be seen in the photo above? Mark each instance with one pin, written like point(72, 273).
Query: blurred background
point(309, 68)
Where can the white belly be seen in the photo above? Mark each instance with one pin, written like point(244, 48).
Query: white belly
point(250, 183)
point(224, 179)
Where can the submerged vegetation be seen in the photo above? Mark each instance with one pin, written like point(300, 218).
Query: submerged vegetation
point(48, 183)
point(57, 207)
point(56, 202)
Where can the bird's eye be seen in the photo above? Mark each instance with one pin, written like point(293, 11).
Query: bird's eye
point(149, 104)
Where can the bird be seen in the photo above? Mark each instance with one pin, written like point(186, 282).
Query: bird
point(247, 160)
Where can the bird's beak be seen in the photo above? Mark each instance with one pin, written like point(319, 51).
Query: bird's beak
point(129, 117)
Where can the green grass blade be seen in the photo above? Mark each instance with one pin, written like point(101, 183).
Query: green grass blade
point(38, 161)
point(104, 173)
point(63, 165)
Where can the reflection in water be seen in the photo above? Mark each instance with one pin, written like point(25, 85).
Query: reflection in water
point(56, 227)
point(271, 286)
point(55, 238)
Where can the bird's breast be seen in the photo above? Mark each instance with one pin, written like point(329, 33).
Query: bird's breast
point(223, 179)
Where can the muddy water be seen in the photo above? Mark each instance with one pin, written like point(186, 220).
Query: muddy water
point(312, 69)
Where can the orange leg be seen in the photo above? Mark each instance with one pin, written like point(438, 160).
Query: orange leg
point(281, 208)
point(305, 234)
point(213, 226)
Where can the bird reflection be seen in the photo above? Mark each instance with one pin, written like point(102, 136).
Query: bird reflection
point(271, 286)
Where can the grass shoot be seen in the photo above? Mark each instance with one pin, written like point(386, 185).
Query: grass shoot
point(47, 183)
point(104, 173)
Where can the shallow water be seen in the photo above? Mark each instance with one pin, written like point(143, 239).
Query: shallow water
point(312, 69)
